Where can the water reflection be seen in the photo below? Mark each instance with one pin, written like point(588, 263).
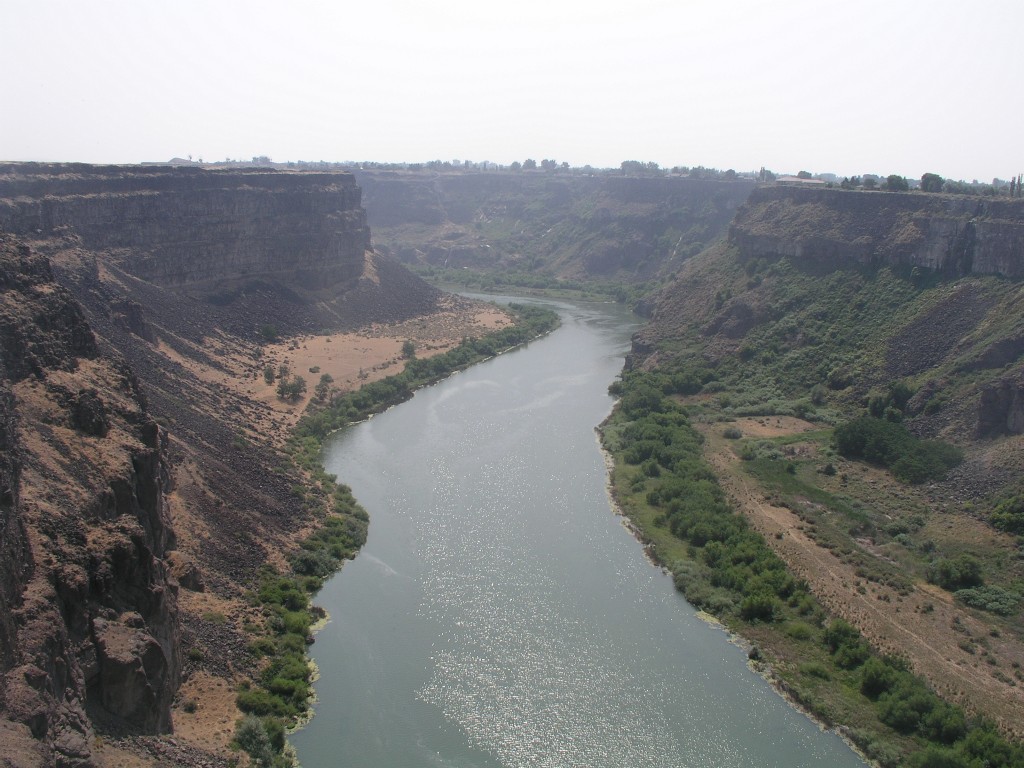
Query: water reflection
point(500, 615)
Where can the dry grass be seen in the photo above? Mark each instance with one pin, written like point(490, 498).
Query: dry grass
point(925, 626)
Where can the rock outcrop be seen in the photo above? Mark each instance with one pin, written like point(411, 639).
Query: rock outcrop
point(89, 628)
point(288, 249)
point(1001, 407)
point(954, 235)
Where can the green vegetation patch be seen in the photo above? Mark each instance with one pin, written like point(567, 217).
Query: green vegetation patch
point(889, 444)
point(531, 322)
point(725, 568)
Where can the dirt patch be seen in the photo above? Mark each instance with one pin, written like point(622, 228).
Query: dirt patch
point(206, 713)
point(350, 359)
point(773, 426)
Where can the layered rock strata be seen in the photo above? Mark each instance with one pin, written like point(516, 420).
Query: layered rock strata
point(953, 234)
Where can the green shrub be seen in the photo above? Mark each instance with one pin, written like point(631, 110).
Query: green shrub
point(251, 735)
point(956, 573)
point(816, 669)
point(759, 607)
point(876, 677)
point(257, 701)
point(991, 598)
point(889, 444)
point(1008, 514)
point(843, 640)
point(799, 630)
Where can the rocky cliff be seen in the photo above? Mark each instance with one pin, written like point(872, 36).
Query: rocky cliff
point(189, 227)
point(952, 234)
point(855, 290)
point(130, 296)
point(89, 630)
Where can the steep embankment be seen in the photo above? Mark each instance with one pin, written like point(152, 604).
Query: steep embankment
point(187, 296)
point(90, 629)
point(549, 225)
point(822, 306)
point(855, 290)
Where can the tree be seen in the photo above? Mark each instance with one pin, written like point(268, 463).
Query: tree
point(870, 182)
point(408, 349)
point(516, 166)
point(895, 183)
point(252, 736)
point(268, 374)
point(529, 164)
point(956, 573)
point(291, 388)
point(932, 182)
point(324, 387)
point(804, 175)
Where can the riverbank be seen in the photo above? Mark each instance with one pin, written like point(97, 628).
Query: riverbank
point(278, 698)
point(725, 545)
point(218, 617)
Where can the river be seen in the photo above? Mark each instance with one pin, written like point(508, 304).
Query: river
point(501, 616)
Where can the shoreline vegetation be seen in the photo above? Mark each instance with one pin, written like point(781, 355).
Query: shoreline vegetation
point(662, 483)
point(279, 701)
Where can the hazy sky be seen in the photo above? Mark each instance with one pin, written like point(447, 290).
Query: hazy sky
point(852, 86)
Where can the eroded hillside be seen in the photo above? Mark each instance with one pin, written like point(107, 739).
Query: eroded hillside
point(826, 312)
point(91, 630)
point(149, 317)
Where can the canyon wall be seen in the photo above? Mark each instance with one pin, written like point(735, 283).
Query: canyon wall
point(952, 234)
point(125, 293)
point(187, 227)
point(565, 225)
point(89, 630)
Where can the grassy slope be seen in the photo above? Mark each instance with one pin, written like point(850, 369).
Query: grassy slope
point(745, 340)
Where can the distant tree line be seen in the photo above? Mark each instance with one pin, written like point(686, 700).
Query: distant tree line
point(934, 183)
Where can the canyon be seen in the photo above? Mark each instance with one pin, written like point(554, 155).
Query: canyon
point(144, 480)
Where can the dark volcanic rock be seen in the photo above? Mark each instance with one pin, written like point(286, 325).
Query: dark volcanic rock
point(951, 234)
point(89, 414)
point(82, 544)
point(191, 227)
point(1001, 408)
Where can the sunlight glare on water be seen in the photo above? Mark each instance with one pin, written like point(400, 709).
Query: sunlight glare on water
point(500, 615)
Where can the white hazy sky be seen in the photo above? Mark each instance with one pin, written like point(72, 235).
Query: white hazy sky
point(858, 86)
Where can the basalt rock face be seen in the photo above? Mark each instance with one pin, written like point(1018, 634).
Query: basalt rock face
point(951, 234)
point(1001, 407)
point(89, 629)
point(253, 246)
point(194, 228)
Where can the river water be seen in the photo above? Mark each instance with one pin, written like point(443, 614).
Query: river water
point(501, 616)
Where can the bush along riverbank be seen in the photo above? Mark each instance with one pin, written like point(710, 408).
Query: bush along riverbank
point(281, 694)
point(721, 565)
